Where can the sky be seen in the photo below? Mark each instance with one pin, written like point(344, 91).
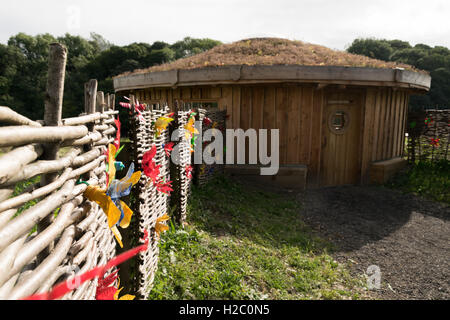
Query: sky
point(333, 23)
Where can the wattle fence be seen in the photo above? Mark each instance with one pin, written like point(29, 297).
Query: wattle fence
point(428, 135)
point(55, 203)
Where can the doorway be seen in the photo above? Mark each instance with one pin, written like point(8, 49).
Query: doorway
point(341, 127)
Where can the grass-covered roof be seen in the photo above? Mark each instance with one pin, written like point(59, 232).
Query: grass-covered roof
point(273, 51)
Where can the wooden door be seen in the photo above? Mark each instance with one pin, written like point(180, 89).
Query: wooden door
point(341, 125)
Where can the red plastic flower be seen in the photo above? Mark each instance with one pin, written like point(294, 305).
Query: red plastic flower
point(207, 121)
point(435, 142)
point(168, 147)
point(117, 139)
point(149, 166)
point(104, 289)
point(164, 187)
point(137, 107)
point(189, 171)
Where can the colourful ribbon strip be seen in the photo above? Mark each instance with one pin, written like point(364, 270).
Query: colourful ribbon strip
point(65, 287)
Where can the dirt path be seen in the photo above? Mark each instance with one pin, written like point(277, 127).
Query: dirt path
point(407, 237)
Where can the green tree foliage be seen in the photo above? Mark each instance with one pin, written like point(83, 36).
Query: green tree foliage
point(435, 60)
point(24, 63)
point(190, 46)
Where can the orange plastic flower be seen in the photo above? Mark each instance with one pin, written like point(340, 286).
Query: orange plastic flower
point(160, 226)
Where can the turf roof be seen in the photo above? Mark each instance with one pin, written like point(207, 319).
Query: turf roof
point(273, 51)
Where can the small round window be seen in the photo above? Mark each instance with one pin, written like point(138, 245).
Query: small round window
point(338, 122)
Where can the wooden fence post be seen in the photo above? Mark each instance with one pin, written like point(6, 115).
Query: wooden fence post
point(90, 96)
point(52, 117)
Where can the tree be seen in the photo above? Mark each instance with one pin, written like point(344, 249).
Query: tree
point(190, 46)
point(434, 60)
point(372, 48)
point(24, 64)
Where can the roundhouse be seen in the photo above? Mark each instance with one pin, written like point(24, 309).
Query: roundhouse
point(341, 117)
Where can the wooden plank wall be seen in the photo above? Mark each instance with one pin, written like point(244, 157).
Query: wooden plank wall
point(384, 126)
point(297, 111)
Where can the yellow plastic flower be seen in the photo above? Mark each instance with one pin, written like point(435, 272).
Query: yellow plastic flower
point(124, 297)
point(160, 226)
point(111, 166)
point(94, 193)
point(190, 129)
point(161, 124)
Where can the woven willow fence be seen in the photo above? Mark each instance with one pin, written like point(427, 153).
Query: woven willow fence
point(428, 135)
point(63, 234)
point(150, 204)
point(211, 119)
point(50, 231)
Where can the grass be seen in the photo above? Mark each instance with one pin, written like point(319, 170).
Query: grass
point(428, 179)
point(247, 244)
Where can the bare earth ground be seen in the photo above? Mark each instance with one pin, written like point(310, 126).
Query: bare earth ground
point(407, 237)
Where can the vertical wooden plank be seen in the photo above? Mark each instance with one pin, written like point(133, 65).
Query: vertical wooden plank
point(354, 143)
point(269, 110)
point(316, 138)
point(226, 103)
point(389, 150)
point(176, 96)
point(398, 100)
point(281, 116)
point(405, 119)
point(216, 93)
point(305, 125)
point(185, 94)
point(236, 107)
point(163, 96)
point(205, 92)
point(376, 124)
point(196, 93)
point(403, 123)
point(383, 102)
point(368, 133)
point(256, 116)
point(341, 145)
point(330, 158)
point(387, 124)
point(293, 111)
point(246, 107)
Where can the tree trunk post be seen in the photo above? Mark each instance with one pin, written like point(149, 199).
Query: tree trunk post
point(52, 117)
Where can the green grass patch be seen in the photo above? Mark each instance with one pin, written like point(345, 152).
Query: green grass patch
point(428, 179)
point(244, 243)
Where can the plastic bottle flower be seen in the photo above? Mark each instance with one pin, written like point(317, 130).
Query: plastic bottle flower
point(190, 130)
point(435, 142)
point(149, 166)
point(160, 226)
point(168, 147)
point(161, 124)
point(137, 107)
point(107, 292)
point(117, 212)
point(164, 187)
point(207, 121)
point(121, 188)
point(189, 171)
point(117, 139)
point(104, 289)
point(110, 166)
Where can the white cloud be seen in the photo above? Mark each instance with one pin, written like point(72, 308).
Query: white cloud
point(327, 22)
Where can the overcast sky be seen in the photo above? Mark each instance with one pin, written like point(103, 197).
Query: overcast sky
point(333, 23)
